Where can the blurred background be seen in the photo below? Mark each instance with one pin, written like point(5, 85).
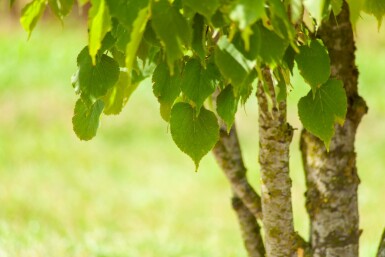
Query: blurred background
point(130, 191)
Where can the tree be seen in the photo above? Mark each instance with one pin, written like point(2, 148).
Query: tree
point(207, 57)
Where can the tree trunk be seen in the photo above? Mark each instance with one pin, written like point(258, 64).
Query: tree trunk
point(331, 177)
point(246, 202)
point(275, 136)
point(251, 234)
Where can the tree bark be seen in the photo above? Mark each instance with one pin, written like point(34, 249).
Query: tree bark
point(229, 157)
point(275, 136)
point(381, 247)
point(251, 234)
point(246, 202)
point(331, 177)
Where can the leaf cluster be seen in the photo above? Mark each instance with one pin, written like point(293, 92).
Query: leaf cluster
point(204, 58)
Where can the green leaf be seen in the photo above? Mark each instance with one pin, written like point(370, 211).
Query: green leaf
point(317, 8)
point(231, 62)
point(318, 114)
point(247, 12)
point(136, 35)
point(280, 20)
point(296, 10)
point(172, 29)
point(149, 35)
point(376, 8)
point(86, 118)
point(198, 41)
point(61, 8)
point(355, 8)
point(336, 6)
point(314, 64)
point(126, 11)
point(82, 2)
point(198, 82)
point(31, 14)
point(194, 135)
point(118, 95)
point(252, 50)
point(96, 80)
point(227, 105)
point(166, 88)
point(288, 58)
point(99, 24)
point(204, 7)
point(272, 48)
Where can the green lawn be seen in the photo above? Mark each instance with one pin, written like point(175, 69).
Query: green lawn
point(130, 191)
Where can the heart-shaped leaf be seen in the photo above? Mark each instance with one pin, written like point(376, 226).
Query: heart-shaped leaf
point(194, 135)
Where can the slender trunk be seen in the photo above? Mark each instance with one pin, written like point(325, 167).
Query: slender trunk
point(229, 157)
point(381, 247)
point(275, 135)
point(251, 234)
point(331, 177)
point(246, 202)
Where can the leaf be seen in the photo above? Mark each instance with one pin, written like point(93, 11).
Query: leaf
point(355, 8)
point(227, 105)
point(96, 80)
point(118, 95)
point(82, 2)
point(252, 50)
point(336, 6)
point(150, 37)
point(198, 82)
point(317, 8)
point(272, 47)
point(136, 35)
point(280, 20)
point(204, 7)
point(61, 8)
point(376, 8)
point(166, 88)
point(231, 63)
point(194, 135)
point(247, 12)
point(99, 24)
point(172, 29)
point(314, 64)
point(318, 114)
point(296, 7)
point(288, 59)
point(31, 14)
point(86, 119)
point(126, 11)
point(198, 41)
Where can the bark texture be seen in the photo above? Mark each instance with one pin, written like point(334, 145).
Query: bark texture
point(381, 247)
point(229, 157)
point(246, 202)
point(275, 135)
point(331, 177)
point(251, 234)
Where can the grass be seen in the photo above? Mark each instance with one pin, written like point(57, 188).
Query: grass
point(130, 191)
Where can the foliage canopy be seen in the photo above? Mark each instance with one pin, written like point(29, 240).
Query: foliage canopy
point(198, 50)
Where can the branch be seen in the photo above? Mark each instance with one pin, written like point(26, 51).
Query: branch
point(250, 229)
point(228, 155)
point(381, 247)
point(246, 202)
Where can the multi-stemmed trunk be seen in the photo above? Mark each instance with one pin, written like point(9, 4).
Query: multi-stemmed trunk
point(331, 176)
